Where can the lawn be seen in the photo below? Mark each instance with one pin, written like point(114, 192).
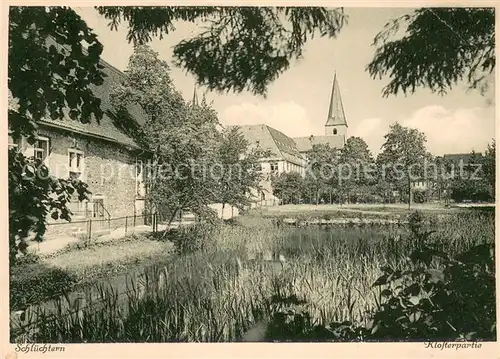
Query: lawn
point(81, 265)
point(234, 281)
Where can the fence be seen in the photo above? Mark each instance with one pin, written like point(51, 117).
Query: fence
point(92, 227)
point(114, 227)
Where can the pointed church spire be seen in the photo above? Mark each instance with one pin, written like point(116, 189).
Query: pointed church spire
point(195, 97)
point(336, 115)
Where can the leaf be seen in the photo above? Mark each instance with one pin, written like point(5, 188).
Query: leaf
point(380, 281)
point(412, 290)
point(414, 300)
point(435, 275)
point(386, 293)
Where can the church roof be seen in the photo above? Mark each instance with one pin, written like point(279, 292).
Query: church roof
point(336, 115)
point(268, 138)
point(305, 144)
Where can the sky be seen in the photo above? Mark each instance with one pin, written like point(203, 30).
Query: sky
point(297, 102)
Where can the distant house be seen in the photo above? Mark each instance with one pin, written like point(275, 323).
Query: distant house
point(464, 158)
point(284, 157)
point(103, 154)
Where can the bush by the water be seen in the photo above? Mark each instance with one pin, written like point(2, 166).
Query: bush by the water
point(193, 238)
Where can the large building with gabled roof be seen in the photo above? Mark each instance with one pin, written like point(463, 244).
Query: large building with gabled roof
point(284, 157)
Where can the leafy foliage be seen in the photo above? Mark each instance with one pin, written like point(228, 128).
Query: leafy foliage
point(288, 187)
point(439, 296)
point(49, 71)
point(237, 169)
point(403, 156)
point(240, 48)
point(322, 171)
point(475, 179)
point(198, 237)
point(464, 50)
point(357, 164)
point(33, 196)
point(180, 138)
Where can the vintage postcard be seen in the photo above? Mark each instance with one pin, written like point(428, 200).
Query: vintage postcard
point(277, 179)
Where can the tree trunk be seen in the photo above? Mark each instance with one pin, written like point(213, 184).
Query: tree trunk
point(409, 192)
point(330, 197)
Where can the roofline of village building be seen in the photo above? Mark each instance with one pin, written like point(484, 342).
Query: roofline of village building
point(89, 134)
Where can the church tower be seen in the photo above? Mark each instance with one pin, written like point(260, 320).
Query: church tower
point(336, 124)
point(195, 97)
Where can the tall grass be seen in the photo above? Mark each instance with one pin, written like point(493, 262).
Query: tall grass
point(219, 292)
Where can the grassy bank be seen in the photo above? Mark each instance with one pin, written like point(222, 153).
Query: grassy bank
point(34, 279)
point(226, 287)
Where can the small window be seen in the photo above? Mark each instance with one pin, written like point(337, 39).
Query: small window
point(41, 148)
point(274, 167)
point(75, 162)
point(334, 131)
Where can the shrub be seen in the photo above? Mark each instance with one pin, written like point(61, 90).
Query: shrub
point(189, 239)
point(439, 296)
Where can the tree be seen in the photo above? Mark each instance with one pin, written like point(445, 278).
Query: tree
point(182, 139)
point(464, 50)
point(403, 156)
point(241, 48)
point(489, 167)
point(475, 179)
point(238, 169)
point(357, 166)
point(322, 174)
point(288, 187)
point(50, 73)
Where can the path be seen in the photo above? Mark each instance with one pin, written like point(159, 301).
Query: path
point(51, 246)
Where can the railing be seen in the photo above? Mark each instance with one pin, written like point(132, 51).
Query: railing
point(96, 227)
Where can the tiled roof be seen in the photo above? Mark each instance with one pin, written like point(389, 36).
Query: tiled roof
point(268, 138)
point(109, 128)
point(305, 144)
